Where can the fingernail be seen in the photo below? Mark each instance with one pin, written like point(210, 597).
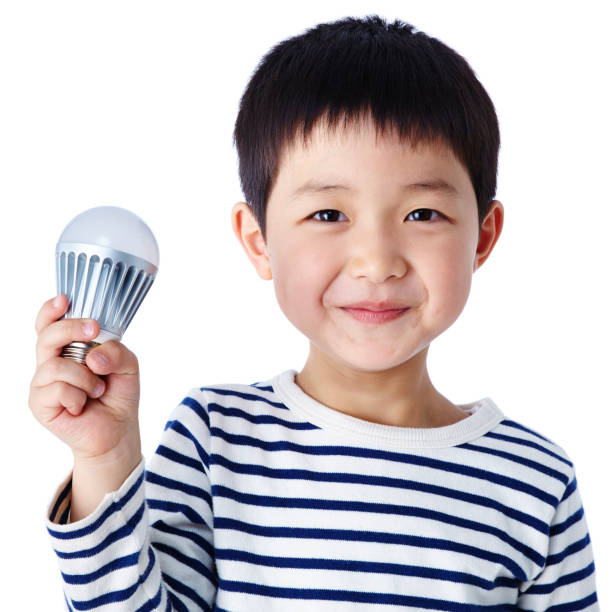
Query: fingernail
point(88, 329)
point(57, 301)
point(99, 359)
point(99, 390)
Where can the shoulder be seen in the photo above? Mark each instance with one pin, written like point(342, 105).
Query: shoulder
point(524, 435)
point(230, 399)
point(247, 397)
point(228, 393)
point(531, 453)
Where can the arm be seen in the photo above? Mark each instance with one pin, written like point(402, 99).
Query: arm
point(567, 579)
point(109, 553)
point(154, 553)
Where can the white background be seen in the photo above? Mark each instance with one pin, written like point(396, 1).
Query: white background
point(133, 104)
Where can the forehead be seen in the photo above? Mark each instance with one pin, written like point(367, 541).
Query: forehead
point(361, 149)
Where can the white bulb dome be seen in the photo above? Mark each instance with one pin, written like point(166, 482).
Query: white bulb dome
point(106, 261)
point(115, 228)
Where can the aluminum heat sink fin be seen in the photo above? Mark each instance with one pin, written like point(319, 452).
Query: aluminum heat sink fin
point(102, 284)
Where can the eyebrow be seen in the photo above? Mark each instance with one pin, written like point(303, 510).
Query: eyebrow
point(317, 187)
point(435, 185)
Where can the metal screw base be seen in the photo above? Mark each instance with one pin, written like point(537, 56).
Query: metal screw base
point(77, 351)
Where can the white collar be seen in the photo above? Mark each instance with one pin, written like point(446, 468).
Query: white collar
point(484, 415)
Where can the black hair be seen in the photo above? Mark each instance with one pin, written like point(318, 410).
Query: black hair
point(353, 68)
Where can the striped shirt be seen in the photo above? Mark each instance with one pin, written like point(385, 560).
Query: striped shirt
point(261, 498)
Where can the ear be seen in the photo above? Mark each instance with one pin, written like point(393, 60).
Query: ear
point(249, 235)
point(490, 231)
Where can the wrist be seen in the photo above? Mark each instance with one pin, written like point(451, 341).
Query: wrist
point(125, 455)
point(94, 477)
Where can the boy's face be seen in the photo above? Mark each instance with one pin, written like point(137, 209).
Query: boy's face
point(355, 218)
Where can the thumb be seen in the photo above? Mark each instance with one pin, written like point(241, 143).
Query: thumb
point(119, 366)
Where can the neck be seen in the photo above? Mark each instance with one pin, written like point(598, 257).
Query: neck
point(402, 396)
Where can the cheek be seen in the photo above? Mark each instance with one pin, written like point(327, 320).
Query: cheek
point(300, 281)
point(449, 287)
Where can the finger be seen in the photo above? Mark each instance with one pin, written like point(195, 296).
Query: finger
point(112, 357)
point(48, 402)
point(68, 371)
point(50, 311)
point(53, 338)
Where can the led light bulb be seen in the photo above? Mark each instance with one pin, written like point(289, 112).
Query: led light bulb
point(106, 261)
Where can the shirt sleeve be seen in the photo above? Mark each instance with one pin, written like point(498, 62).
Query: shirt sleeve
point(567, 580)
point(148, 545)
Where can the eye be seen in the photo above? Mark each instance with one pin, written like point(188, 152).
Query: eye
point(424, 214)
point(327, 215)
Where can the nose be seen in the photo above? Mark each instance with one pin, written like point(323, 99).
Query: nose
point(377, 257)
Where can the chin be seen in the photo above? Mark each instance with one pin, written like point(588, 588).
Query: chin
point(376, 363)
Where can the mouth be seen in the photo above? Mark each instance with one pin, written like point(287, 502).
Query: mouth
point(377, 316)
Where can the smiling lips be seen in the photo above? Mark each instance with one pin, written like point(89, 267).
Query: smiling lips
point(375, 312)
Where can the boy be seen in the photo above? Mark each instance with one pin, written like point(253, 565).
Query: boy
point(368, 156)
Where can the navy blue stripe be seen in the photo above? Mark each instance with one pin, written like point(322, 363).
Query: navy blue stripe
point(571, 488)
point(123, 532)
point(572, 549)
point(546, 589)
point(175, 604)
point(558, 529)
point(168, 506)
point(259, 419)
point(544, 469)
point(179, 428)
point(353, 535)
point(178, 485)
point(356, 597)
point(198, 540)
point(152, 604)
point(376, 508)
point(529, 443)
point(190, 402)
point(369, 453)
point(516, 425)
point(114, 507)
point(371, 567)
point(63, 520)
point(183, 589)
point(260, 385)
point(60, 498)
point(116, 596)
point(382, 481)
point(573, 606)
point(119, 563)
point(190, 562)
point(245, 396)
point(172, 455)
